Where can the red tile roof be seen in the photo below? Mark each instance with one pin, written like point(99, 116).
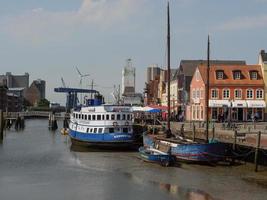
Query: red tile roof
point(228, 72)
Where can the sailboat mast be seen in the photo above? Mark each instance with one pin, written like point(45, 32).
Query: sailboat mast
point(207, 90)
point(168, 68)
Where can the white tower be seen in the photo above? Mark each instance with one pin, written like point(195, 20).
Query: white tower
point(128, 79)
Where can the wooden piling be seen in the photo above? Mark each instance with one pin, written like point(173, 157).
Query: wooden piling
point(1, 126)
point(213, 131)
point(256, 159)
point(235, 140)
point(194, 132)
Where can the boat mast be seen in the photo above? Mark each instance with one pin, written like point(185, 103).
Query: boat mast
point(207, 90)
point(168, 71)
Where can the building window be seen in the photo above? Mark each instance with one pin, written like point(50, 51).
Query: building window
point(85, 117)
point(193, 113)
point(197, 93)
point(253, 75)
point(93, 117)
point(89, 117)
point(214, 93)
point(238, 94)
point(259, 94)
point(237, 75)
point(112, 117)
point(226, 93)
point(107, 117)
point(194, 93)
point(249, 94)
point(219, 75)
point(98, 117)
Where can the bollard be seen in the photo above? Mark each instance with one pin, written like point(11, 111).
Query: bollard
point(1, 126)
point(194, 132)
point(256, 159)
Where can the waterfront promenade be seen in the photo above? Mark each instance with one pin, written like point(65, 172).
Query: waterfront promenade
point(40, 164)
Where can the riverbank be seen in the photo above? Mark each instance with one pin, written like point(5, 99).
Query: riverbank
point(40, 164)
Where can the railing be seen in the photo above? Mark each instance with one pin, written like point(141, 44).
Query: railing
point(31, 114)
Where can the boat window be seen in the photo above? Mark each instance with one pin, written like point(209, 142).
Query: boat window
point(103, 117)
point(112, 117)
point(91, 130)
point(106, 130)
point(118, 117)
point(89, 117)
point(123, 117)
point(125, 130)
point(107, 117)
point(100, 130)
point(98, 117)
point(95, 130)
point(87, 130)
point(111, 130)
point(93, 117)
point(128, 117)
point(117, 129)
point(85, 117)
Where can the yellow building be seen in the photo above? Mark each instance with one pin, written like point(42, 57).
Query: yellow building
point(263, 63)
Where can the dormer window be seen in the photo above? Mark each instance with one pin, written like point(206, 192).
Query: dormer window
point(253, 75)
point(219, 74)
point(237, 75)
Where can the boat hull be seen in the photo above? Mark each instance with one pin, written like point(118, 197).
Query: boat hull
point(101, 140)
point(163, 159)
point(192, 152)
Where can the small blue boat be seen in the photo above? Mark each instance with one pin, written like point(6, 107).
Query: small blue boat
point(153, 155)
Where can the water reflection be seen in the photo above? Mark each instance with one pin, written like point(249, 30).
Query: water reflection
point(174, 190)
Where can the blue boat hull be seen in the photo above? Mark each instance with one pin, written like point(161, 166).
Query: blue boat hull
point(101, 139)
point(194, 152)
point(158, 158)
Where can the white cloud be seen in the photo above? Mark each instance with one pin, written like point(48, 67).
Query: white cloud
point(38, 25)
point(244, 23)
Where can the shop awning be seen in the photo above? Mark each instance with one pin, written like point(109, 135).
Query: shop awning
point(239, 104)
point(219, 103)
point(256, 103)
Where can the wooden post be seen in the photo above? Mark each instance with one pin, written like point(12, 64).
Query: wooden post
point(213, 131)
point(256, 159)
point(1, 126)
point(235, 139)
point(194, 132)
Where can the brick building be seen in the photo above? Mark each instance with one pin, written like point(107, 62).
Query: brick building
point(236, 93)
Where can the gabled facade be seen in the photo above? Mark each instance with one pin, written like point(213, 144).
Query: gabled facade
point(236, 93)
point(185, 74)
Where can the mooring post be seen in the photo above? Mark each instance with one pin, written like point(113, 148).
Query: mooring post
point(213, 131)
point(1, 126)
point(235, 139)
point(194, 132)
point(256, 159)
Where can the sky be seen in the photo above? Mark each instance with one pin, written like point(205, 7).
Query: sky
point(49, 38)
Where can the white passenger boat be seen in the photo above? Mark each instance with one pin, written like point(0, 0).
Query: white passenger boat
point(103, 125)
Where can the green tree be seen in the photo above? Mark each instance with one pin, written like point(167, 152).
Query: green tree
point(43, 103)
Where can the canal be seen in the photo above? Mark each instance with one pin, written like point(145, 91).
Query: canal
point(39, 164)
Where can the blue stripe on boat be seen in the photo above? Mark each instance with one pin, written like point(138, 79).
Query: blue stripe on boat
point(101, 137)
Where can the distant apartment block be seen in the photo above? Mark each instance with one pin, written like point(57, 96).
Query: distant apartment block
point(15, 81)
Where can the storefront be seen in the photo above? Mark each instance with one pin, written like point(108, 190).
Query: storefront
point(238, 110)
point(219, 109)
point(255, 110)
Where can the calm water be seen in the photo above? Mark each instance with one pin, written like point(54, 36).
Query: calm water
point(39, 164)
